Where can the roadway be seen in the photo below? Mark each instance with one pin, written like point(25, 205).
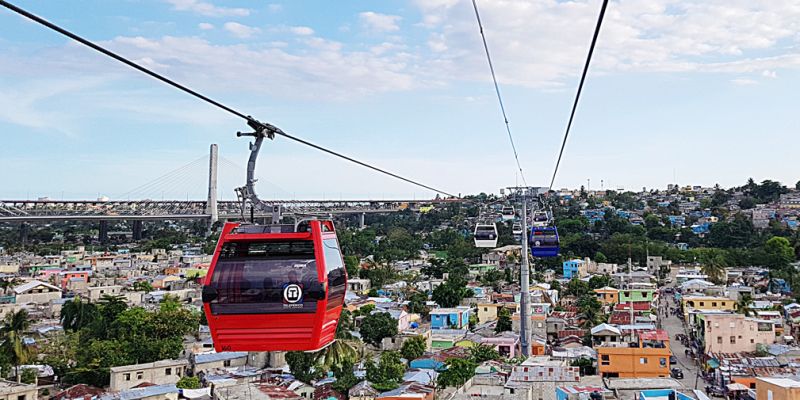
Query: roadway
point(673, 325)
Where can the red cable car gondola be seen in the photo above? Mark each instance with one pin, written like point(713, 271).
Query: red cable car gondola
point(270, 288)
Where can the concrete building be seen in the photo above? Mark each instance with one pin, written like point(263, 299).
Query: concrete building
point(733, 333)
point(95, 293)
point(360, 286)
point(159, 373)
point(575, 269)
point(607, 295)
point(777, 389)
point(447, 318)
point(211, 361)
point(649, 360)
point(36, 292)
point(706, 303)
point(17, 391)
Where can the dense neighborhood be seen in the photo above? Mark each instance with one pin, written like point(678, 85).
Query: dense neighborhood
point(681, 293)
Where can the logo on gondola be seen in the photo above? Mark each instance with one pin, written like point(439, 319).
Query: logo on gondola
point(292, 293)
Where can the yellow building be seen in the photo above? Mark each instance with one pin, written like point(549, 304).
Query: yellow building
point(607, 295)
point(707, 303)
point(489, 311)
point(777, 389)
point(649, 360)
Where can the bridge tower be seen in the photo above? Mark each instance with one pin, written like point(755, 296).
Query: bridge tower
point(211, 203)
point(102, 234)
point(137, 230)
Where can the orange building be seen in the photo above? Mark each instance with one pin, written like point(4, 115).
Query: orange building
point(649, 360)
point(607, 295)
point(777, 389)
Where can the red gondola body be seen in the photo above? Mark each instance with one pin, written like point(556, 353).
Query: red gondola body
point(271, 290)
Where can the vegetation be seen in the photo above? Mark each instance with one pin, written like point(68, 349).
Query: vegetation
point(413, 348)
point(377, 326)
point(188, 382)
point(388, 373)
point(503, 320)
point(458, 372)
point(483, 352)
point(303, 366)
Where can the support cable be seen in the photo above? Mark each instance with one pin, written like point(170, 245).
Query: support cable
point(580, 88)
point(497, 90)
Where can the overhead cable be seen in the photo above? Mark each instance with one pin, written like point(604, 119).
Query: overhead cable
point(251, 121)
point(497, 90)
point(580, 87)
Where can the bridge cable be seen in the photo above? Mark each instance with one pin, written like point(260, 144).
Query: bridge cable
point(580, 88)
point(497, 90)
point(249, 119)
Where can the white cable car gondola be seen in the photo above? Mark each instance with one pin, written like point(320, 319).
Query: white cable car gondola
point(507, 213)
point(485, 235)
point(540, 219)
point(516, 229)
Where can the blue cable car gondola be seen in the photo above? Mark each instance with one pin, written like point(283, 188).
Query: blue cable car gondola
point(544, 241)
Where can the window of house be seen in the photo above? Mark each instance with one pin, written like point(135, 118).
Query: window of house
point(168, 371)
point(604, 357)
point(702, 303)
point(752, 385)
point(21, 397)
point(714, 304)
point(485, 308)
point(511, 390)
point(719, 339)
point(139, 375)
point(642, 360)
point(752, 341)
point(178, 371)
point(662, 361)
point(733, 339)
point(127, 377)
point(226, 363)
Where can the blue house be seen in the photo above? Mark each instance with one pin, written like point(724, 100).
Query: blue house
point(572, 268)
point(699, 229)
point(678, 220)
point(623, 214)
point(449, 318)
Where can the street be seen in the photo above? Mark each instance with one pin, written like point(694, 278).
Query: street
point(673, 325)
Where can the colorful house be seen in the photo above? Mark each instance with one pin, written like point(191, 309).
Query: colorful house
point(706, 303)
point(636, 295)
point(450, 318)
point(649, 360)
point(607, 295)
point(574, 269)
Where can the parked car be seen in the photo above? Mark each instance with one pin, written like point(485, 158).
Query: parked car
point(715, 391)
point(676, 373)
point(672, 360)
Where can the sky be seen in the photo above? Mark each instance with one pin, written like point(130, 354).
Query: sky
point(698, 92)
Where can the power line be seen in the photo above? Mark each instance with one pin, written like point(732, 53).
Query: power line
point(265, 127)
point(497, 90)
point(580, 88)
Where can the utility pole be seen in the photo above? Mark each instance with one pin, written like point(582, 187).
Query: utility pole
point(522, 193)
point(525, 296)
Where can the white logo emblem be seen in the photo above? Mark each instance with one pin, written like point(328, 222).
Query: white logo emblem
point(292, 293)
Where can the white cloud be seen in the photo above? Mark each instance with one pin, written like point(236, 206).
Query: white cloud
point(239, 30)
point(769, 74)
point(205, 26)
point(273, 8)
point(207, 9)
point(301, 30)
point(380, 22)
point(744, 81)
point(543, 43)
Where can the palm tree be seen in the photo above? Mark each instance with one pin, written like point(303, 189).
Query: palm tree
point(743, 306)
point(714, 267)
point(337, 353)
point(591, 318)
point(15, 325)
point(76, 314)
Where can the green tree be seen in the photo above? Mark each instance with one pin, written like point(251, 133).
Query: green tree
point(458, 372)
point(450, 293)
point(12, 347)
point(352, 265)
point(417, 304)
point(376, 326)
point(779, 252)
point(745, 304)
point(29, 375)
point(413, 348)
point(344, 326)
point(600, 257)
point(345, 377)
point(576, 287)
point(188, 382)
point(503, 320)
point(483, 352)
point(714, 266)
point(142, 286)
point(337, 353)
point(388, 373)
point(600, 281)
point(303, 366)
point(76, 314)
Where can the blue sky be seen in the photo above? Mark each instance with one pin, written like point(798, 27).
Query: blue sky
point(694, 92)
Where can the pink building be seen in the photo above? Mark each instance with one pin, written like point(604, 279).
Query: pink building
point(507, 345)
point(733, 333)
